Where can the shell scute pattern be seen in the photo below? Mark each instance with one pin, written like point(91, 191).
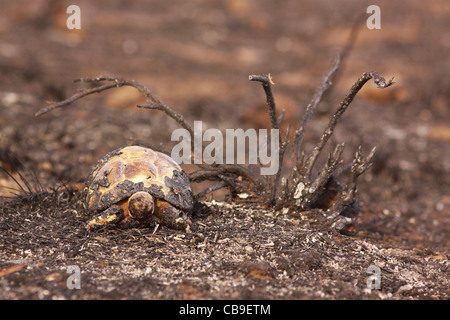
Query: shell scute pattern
point(126, 171)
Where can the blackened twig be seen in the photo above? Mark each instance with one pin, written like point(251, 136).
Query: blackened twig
point(210, 189)
point(153, 103)
point(310, 109)
point(359, 166)
point(73, 98)
point(266, 81)
point(324, 176)
point(170, 112)
point(379, 81)
point(358, 25)
point(280, 162)
point(210, 173)
point(308, 193)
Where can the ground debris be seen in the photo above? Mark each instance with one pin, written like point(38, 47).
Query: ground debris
point(237, 252)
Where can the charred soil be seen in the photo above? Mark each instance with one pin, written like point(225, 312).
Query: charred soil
point(197, 58)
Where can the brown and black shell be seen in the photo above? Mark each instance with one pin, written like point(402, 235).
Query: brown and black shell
point(125, 171)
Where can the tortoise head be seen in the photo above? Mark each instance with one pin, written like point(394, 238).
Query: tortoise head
point(141, 206)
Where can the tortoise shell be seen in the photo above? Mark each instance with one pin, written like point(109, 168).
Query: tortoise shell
point(125, 171)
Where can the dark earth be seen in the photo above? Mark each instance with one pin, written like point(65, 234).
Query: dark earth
point(196, 56)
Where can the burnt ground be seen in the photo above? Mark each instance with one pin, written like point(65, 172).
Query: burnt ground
point(196, 56)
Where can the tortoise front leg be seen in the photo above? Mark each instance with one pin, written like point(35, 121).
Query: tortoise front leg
point(105, 219)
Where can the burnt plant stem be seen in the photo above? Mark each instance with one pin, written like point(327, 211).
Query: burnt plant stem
point(117, 82)
point(73, 98)
point(311, 108)
point(266, 82)
point(278, 174)
point(214, 172)
point(170, 112)
point(347, 198)
point(379, 81)
point(334, 160)
point(210, 189)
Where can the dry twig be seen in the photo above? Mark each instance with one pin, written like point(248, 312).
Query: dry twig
point(266, 81)
point(379, 81)
point(117, 82)
point(324, 85)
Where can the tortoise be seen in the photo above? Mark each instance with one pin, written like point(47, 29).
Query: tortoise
point(134, 186)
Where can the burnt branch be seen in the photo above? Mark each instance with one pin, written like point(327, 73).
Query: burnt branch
point(213, 173)
point(360, 165)
point(311, 108)
point(170, 112)
point(379, 81)
point(74, 98)
point(345, 209)
point(117, 82)
point(278, 174)
point(266, 81)
point(272, 185)
point(210, 189)
point(325, 192)
point(319, 186)
point(358, 25)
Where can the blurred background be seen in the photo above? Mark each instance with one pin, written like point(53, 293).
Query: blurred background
point(196, 56)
